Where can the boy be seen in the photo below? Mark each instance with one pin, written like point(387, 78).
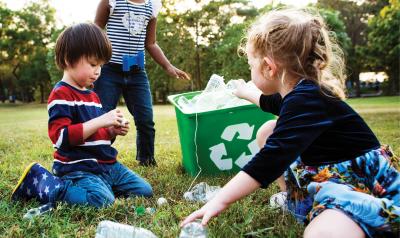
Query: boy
point(84, 161)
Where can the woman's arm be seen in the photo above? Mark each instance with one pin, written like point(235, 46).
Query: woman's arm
point(238, 187)
point(102, 14)
point(157, 54)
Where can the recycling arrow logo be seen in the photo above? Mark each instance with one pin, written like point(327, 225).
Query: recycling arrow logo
point(218, 151)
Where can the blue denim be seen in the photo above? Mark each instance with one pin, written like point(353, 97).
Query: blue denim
point(135, 88)
point(100, 190)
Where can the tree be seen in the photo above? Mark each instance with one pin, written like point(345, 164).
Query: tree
point(355, 17)
point(24, 38)
point(383, 45)
point(188, 39)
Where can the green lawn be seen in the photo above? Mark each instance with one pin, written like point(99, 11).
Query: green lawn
point(23, 130)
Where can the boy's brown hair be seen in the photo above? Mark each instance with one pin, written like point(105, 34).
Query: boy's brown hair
point(81, 40)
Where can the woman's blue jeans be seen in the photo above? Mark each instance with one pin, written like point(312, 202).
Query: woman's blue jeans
point(135, 88)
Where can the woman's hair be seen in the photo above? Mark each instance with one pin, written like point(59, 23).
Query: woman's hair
point(300, 45)
point(81, 40)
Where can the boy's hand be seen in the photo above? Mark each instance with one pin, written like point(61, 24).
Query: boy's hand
point(121, 130)
point(177, 73)
point(111, 118)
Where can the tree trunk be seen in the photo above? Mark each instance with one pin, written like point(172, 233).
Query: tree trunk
point(355, 79)
point(198, 76)
point(41, 87)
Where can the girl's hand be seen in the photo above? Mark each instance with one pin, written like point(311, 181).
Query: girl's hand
point(111, 118)
point(177, 73)
point(247, 91)
point(243, 90)
point(211, 209)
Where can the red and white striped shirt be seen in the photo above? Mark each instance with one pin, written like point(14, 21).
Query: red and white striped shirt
point(68, 109)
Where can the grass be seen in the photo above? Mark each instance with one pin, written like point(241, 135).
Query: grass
point(23, 130)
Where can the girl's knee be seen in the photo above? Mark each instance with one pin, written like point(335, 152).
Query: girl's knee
point(326, 225)
point(264, 132)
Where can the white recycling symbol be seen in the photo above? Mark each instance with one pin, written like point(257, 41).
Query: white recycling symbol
point(218, 151)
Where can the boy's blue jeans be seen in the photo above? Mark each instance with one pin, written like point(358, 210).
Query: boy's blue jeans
point(100, 190)
point(135, 88)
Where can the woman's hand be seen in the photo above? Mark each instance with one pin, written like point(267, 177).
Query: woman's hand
point(177, 73)
point(211, 209)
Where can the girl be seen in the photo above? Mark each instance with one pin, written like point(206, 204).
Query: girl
point(337, 173)
point(131, 28)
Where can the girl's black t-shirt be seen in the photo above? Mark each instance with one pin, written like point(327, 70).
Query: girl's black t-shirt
point(319, 128)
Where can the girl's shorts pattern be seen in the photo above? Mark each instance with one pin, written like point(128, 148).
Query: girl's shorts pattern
point(367, 189)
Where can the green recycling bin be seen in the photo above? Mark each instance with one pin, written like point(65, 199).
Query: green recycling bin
point(218, 141)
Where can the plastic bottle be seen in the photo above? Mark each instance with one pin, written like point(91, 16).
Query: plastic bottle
point(109, 229)
point(193, 230)
point(38, 211)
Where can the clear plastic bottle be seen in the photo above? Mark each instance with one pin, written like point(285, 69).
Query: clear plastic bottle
point(194, 230)
point(38, 211)
point(109, 229)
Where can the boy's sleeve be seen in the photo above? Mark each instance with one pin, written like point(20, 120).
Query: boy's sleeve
point(61, 129)
point(301, 121)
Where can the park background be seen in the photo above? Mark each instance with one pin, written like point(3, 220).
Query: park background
point(201, 37)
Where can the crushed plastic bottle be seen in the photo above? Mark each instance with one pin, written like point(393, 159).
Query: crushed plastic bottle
point(201, 192)
point(216, 95)
point(278, 200)
point(38, 211)
point(194, 230)
point(109, 229)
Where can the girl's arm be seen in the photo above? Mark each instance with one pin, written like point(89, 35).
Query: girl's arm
point(158, 55)
point(102, 14)
point(245, 91)
point(238, 187)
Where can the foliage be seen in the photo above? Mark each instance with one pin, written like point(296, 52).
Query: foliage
point(54, 72)
point(24, 38)
point(383, 49)
point(201, 40)
point(355, 15)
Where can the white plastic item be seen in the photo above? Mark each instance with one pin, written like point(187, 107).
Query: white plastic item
point(216, 95)
point(201, 192)
point(193, 230)
point(278, 200)
point(162, 201)
point(109, 229)
point(124, 122)
point(38, 211)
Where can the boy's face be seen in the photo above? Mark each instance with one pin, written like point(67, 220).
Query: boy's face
point(85, 72)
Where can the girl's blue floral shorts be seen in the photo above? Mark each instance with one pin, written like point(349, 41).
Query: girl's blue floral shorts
point(367, 189)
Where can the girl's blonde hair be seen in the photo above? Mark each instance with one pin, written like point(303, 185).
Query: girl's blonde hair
point(300, 45)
